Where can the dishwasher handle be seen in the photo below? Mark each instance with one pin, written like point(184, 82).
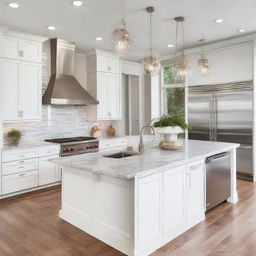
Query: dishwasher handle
point(215, 157)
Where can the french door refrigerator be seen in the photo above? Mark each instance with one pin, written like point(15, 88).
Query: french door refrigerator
point(224, 112)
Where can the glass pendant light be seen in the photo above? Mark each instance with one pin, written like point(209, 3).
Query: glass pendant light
point(203, 63)
point(181, 69)
point(151, 63)
point(122, 39)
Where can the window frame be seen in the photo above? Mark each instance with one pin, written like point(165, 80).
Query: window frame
point(164, 86)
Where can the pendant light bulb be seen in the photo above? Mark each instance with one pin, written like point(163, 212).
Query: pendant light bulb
point(121, 38)
point(203, 63)
point(152, 63)
point(181, 68)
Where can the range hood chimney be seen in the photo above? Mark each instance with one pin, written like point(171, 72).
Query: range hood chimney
point(63, 88)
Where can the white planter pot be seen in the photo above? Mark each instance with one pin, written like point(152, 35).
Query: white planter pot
point(169, 133)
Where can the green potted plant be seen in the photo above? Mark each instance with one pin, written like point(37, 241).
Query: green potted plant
point(14, 136)
point(168, 127)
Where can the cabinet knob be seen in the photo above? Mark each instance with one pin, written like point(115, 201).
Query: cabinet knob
point(109, 113)
point(21, 53)
point(109, 68)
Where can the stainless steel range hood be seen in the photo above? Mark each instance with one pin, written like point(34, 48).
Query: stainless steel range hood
point(63, 88)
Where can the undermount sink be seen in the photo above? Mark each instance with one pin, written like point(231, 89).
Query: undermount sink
point(122, 154)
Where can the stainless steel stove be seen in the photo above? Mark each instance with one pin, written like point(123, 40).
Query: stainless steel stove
point(76, 145)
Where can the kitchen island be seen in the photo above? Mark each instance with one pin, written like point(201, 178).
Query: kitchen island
point(139, 203)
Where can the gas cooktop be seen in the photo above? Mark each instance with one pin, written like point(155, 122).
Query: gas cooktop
point(72, 139)
point(76, 145)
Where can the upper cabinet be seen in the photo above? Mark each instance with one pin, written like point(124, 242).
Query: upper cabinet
point(20, 49)
point(228, 65)
point(20, 78)
point(104, 83)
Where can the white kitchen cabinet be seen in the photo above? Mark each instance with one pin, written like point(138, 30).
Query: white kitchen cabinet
point(30, 51)
point(20, 49)
point(167, 204)
point(30, 91)
point(104, 83)
point(9, 48)
point(9, 83)
point(108, 64)
point(149, 210)
point(19, 181)
point(174, 213)
point(108, 95)
point(20, 89)
point(48, 172)
point(195, 190)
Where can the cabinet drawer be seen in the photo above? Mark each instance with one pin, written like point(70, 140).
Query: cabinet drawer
point(49, 151)
point(19, 166)
point(14, 155)
point(16, 182)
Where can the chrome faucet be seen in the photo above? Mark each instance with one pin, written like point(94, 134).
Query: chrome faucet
point(141, 144)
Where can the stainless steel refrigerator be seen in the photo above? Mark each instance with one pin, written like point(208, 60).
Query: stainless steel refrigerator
point(224, 112)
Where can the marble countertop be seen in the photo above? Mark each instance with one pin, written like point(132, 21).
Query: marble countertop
point(27, 145)
point(154, 160)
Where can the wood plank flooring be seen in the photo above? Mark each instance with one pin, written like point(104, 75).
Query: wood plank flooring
point(29, 225)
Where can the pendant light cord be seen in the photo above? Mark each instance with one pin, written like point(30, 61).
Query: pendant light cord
point(123, 19)
point(150, 33)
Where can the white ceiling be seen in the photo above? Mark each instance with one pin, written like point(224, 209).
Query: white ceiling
point(100, 17)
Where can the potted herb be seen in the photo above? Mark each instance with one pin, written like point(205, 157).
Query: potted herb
point(169, 126)
point(14, 136)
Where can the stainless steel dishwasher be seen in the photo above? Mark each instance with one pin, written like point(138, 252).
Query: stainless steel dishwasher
point(218, 179)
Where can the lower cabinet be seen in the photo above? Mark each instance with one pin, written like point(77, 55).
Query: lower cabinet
point(149, 209)
point(195, 190)
point(20, 181)
point(48, 172)
point(168, 203)
point(174, 209)
point(23, 169)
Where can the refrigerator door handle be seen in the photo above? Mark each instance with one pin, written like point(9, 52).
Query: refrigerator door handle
point(214, 118)
point(210, 121)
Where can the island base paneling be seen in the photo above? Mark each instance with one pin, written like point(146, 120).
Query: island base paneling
point(135, 216)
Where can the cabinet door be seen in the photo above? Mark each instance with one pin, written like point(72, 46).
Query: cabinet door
point(31, 51)
point(9, 48)
point(149, 204)
point(9, 79)
point(113, 65)
point(195, 181)
point(174, 199)
point(30, 91)
point(102, 96)
point(48, 172)
point(114, 96)
point(102, 64)
point(16, 182)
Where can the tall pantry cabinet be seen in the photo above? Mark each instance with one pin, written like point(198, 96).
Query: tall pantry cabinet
point(104, 83)
point(20, 77)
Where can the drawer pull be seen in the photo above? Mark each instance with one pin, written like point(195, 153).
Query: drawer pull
point(21, 155)
point(22, 162)
point(22, 174)
point(48, 152)
point(194, 167)
point(21, 167)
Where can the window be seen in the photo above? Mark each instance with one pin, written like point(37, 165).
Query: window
point(173, 95)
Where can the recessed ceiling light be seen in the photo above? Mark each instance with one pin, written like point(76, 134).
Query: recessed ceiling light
point(51, 27)
point(170, 45)
point(219, 21)
point(241, 30)
point(14, 5)
point(77, 3)
point(99, 38)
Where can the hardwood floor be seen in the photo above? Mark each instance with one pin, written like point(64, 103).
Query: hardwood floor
point(29, 225)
